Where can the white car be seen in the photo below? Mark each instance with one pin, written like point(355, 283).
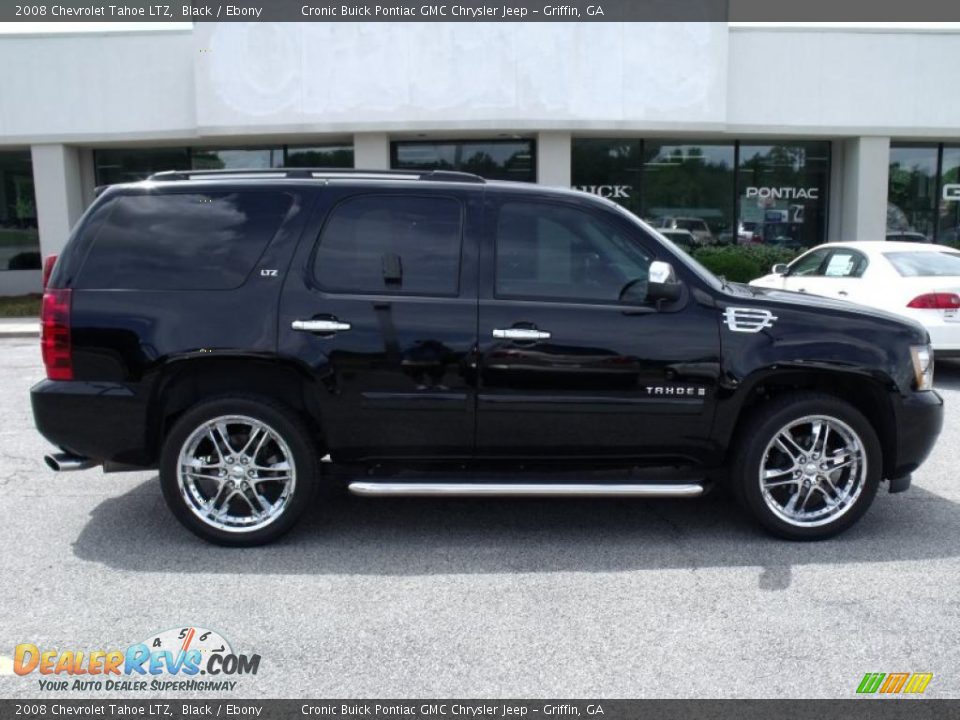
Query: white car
point(918, 281)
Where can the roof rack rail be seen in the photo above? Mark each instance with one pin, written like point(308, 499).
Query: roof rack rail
point(316, 174)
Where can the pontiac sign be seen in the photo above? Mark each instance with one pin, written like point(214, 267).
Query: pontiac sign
point(783, 193)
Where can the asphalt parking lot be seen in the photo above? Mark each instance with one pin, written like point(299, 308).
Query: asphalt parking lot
point(492, 598)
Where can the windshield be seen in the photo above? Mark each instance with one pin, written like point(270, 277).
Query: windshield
point(688, 260)
point(930, 263)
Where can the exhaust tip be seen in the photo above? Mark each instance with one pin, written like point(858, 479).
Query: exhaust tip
point(65, 462)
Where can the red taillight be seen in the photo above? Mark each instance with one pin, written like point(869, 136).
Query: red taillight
point(936, 301)
point(48, 264)
point(55, 341)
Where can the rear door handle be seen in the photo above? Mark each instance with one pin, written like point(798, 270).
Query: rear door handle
point(320, 326)
point(843, 293)
point(520, 334)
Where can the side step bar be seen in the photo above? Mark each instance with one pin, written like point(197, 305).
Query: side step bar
point(460, 489)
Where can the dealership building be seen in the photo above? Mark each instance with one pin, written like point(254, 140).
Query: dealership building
point(790, 136)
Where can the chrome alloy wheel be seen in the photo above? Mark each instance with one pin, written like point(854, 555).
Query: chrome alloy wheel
point(236, 473)
point(813, 471)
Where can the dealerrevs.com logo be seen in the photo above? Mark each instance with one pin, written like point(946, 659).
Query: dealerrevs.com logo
point(181, 659)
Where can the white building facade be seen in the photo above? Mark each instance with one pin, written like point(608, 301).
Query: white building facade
point(787, 136)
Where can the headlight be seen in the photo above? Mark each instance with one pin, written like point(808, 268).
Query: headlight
point(922, 366)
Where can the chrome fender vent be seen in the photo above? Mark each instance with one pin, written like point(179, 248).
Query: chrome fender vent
point(748, 320)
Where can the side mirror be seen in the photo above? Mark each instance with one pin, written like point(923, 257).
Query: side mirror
point(780, 269)
point(663, 283)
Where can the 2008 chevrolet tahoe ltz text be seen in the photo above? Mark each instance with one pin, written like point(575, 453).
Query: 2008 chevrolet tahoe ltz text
point(256, 335)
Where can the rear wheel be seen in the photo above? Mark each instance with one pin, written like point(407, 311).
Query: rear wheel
point(808, 466)
point(238, 471)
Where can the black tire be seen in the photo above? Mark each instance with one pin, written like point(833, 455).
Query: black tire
point(281, 420)
point(761, 428)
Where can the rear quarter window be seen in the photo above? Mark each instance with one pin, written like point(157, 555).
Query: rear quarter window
point(182, 241)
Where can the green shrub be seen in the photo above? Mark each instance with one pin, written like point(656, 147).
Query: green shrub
point(742, 263)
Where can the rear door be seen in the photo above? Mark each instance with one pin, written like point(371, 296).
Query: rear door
point(382, 311)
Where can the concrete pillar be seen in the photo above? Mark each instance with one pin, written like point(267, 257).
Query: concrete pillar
point(553, 159)
point(864, 178)
point(371, 151)
point(58, 185)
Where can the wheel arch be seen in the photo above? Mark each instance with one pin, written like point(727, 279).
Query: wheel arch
point(184, 382)
point(869, 394)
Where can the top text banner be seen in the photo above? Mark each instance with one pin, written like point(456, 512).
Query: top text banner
point(485, 11)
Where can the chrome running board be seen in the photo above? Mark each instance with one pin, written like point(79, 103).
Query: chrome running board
point(460, 489)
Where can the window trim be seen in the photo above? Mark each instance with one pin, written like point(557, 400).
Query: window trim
point(508, 199)
point(314, 281)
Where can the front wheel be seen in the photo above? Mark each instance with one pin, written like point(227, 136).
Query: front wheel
point(238, 471)
point(808, 466)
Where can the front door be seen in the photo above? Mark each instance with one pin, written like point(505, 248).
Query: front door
point(381, 309)
point(573, 362)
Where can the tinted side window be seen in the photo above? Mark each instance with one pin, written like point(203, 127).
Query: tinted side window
point(560, 252)
point(396, 244)
point(182, 241)
point(809, 264)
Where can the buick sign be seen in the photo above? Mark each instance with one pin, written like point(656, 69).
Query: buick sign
point(607, 191)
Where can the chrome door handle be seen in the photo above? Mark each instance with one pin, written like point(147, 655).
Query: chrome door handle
point(520, 334)
point(843, 293)
point(322, 326)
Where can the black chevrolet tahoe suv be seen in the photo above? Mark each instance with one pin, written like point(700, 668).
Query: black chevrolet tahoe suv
point(255, 335)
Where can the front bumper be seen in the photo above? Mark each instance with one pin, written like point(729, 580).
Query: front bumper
point(104, 421)
point(919, 421)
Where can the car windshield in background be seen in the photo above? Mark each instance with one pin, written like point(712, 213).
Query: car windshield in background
point(689, 225)
point(925, 264)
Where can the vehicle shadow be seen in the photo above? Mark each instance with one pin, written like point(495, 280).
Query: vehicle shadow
point(347, 535)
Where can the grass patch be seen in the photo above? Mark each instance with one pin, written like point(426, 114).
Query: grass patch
point(20, 306)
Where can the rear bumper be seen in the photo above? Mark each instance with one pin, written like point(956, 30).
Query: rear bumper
point(98, 420)
point(919, 421)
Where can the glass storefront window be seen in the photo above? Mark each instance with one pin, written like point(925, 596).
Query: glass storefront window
point(609, 167)
point(912, 190)
point(782, 194)
point(702, 194)
point(19, 239)
point(320, 156)
point(236, 158)
point(689, 186)
point(493, 159)
point(119, 165)
point(949, 230)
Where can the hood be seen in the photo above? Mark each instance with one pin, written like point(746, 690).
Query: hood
point(805, 301)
